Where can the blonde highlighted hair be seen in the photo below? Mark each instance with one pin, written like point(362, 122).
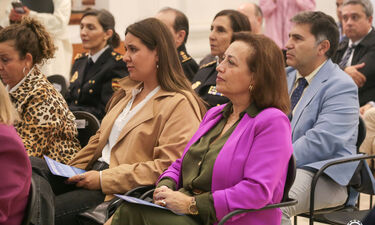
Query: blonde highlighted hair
point(8, 113)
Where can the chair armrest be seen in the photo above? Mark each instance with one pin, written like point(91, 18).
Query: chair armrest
point(320, 172)
point(289, 202)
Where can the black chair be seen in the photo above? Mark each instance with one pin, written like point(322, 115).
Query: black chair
point(342, 215)
point(317, 215)
point(87, 125)
point(286, 201)
point(58, 81)
point(30, 204)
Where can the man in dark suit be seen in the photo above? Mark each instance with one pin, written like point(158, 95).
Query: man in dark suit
point(356, 53)
point(178, 24)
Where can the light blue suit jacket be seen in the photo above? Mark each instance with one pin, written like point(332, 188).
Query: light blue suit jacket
point(325, 122)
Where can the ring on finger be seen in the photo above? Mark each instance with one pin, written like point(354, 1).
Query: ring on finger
point(163, 203)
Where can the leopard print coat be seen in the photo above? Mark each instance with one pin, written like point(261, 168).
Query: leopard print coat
point(47, 126)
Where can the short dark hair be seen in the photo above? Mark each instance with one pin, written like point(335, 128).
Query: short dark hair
point(322, 26)
point(238, 20)
point(107, 21)
point(181, 22)
point(266, 61)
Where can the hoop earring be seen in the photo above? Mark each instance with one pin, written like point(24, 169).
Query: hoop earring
point(24, 71)
point(251, 87)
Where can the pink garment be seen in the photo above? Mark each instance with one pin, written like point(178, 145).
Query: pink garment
point(277, 14)
point(15, 176)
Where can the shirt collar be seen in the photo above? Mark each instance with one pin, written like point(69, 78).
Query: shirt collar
point(252, 110)
point(359, 41)
point(10, 90)
point(95, 57)
point(311, 75)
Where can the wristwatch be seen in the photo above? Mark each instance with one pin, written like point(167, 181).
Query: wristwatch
point(192, 208)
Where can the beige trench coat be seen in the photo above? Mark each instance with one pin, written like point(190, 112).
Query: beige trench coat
point(154, 138)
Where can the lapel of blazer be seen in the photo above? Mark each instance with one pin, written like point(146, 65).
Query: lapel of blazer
point(81, 71)
point(362, 47)
point(109, 119)
point(316, 84)
point(144, 114)
point(103, 58)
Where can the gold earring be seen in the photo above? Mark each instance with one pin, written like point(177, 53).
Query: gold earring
point(251, 87)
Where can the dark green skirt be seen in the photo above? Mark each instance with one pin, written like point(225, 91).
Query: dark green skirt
point(135, 214)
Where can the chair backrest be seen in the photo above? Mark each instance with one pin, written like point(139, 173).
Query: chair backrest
point(87, 125)
point(361, 133)
point(30, 204)
point(58, 81)
point(290, 177)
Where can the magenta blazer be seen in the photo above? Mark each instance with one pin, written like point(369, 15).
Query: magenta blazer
point(250, 170)
point(15, 176)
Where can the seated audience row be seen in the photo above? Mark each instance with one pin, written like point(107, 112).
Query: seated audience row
point(225, 160)
point(149, 122)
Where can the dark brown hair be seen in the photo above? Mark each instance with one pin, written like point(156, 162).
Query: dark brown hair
point(322, 26)
point(266, 62)
point(238, 20)
point(155, 35)
point(107, 21)
point(30, 36)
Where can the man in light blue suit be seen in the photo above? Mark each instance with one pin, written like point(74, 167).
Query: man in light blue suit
point(324, 115)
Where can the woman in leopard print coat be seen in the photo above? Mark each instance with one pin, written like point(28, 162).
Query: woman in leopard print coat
point(46, 126)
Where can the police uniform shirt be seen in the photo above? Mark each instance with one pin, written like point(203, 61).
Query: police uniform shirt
point(189, 65)
point(91, 88)
point(204, 84)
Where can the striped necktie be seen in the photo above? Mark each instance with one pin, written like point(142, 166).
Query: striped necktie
point(346, 57)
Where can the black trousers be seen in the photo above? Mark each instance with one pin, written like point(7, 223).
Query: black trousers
point(65, 201)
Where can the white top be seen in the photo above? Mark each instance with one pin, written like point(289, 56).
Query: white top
point(96, 56)
point(125, 116)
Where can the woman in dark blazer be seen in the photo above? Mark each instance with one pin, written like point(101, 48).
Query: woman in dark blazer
point(95, 74)
point(224, 24)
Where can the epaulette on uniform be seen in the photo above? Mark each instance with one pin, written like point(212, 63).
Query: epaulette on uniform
point(184, 57)
point(117, 56)
point(80, 55)
point(207, 64)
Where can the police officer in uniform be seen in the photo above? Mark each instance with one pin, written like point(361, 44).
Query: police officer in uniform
point(95, 74)
point(178, 24)
point(225, 23)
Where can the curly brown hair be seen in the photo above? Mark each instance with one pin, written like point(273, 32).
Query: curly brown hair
point(30, 36)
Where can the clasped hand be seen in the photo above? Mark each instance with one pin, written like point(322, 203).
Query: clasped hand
point(174, 200)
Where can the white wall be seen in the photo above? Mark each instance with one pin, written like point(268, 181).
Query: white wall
point(199, 12)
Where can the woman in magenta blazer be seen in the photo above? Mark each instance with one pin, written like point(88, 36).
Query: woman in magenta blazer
point(239, 156)
point(15, 169)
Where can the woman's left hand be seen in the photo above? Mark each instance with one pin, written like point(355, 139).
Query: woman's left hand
point(174, 200)
point(89, 180)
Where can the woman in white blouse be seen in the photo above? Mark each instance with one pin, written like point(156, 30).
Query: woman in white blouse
point(148, 123)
